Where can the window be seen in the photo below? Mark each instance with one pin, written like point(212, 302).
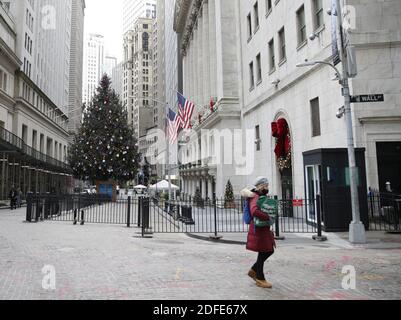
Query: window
point(257, 138)
point(317, 14)
point(272, 58)
point(34, 139)
point(315, 113)
point(251, 77)
point(145, 41)
point(256, 14)
point(259, 68)
point(301, 26)
point(249, 26)
point(268, 6)
point(41, 143)
point(24, 133)
point(281, 39)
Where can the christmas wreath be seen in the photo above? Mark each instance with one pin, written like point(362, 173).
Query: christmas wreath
point(283, 148)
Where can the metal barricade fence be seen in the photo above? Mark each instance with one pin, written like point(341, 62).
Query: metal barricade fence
point(384, 212)
point(179, 216)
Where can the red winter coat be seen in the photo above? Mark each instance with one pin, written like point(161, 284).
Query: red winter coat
point(259, 239)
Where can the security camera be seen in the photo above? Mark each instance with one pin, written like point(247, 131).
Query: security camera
point(276, 82)
point(340, 113)
point(329, 11)
point(313, 36)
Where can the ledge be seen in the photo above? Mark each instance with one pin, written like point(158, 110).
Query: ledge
point(394, 119)
point(303, 44)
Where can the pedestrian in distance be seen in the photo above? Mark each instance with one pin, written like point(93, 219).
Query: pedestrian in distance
point(19, 198)
point(260, 239)
point(13, 198)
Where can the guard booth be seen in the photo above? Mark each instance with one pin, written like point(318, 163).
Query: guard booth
point(326, 173)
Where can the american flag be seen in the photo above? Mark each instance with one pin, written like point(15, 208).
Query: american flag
point(173, 127)
point(185, 110)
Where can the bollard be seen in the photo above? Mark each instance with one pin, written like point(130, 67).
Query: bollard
point(139, 211)
point(145, 212)
point(75, 216)
point(318, 211)
point(215, 236)
point(37, 213)
point(82, 217)
point(29, 208)
point(129, 213)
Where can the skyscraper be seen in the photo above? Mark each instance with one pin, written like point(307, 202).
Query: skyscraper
point(109, 64)
point(133, 9)
point(93, 65)
point(76, 65)
point(44, 45)
point(138, 76)
point(117, 78)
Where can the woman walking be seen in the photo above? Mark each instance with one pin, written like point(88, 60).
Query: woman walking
point(260, 239)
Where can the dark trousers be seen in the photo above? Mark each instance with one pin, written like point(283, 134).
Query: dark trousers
point(13, 203)
point(260, 264)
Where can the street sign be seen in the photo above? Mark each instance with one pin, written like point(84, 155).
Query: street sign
point(367, 98)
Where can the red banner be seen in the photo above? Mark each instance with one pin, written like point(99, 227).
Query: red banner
point(298, 203)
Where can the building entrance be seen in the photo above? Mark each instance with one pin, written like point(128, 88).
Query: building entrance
point(389, 165)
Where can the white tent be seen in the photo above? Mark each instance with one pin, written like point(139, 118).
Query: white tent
point(140, 187)
point(163, 186)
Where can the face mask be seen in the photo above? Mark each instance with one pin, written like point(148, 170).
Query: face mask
point(264, 192)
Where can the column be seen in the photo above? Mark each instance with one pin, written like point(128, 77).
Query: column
point(199, 97)
point(210, 188)
point(195, 73)
point(212, 47)
point(206, 57)
point(204, 183)
point(190, 69)
point(200, 68)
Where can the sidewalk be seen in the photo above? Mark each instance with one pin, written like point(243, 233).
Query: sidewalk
point(97, 261)
point(374, 240)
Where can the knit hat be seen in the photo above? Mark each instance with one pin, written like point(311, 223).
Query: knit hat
point(261, 181)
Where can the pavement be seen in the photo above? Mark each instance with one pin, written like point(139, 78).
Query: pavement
point(105, 262)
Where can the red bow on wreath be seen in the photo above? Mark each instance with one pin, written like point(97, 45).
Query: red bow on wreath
point(281, 132)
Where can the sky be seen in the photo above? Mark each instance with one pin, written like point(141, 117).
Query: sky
point(105, 17)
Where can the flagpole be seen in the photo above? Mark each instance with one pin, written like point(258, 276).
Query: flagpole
point(168, 157)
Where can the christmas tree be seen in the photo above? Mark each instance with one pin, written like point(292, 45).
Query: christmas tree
point(229, 196)
point(104, 148)
point(199, 202)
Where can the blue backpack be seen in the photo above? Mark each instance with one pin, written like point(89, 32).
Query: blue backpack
point(247, 213)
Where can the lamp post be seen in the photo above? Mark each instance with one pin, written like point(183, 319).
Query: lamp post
point(356, 228)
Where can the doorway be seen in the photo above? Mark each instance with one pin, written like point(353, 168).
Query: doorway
point(287, 192)
point(313, 178)
point(389, 165)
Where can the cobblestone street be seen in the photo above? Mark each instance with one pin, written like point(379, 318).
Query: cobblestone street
point(113, 262)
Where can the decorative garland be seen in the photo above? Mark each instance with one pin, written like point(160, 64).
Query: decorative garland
point(283, 149)
point(285, 162)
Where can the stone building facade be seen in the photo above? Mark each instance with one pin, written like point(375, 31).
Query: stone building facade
point(33, 130)
point(138, 76)
point(243, 56)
